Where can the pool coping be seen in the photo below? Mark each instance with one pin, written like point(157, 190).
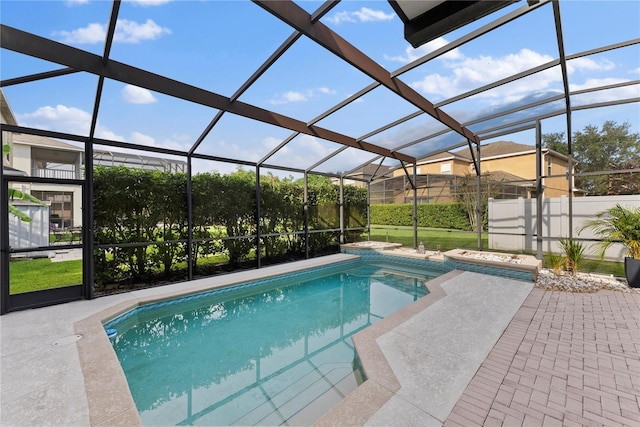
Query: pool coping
point(110, 401)
point(108, 396)
point(381, 383)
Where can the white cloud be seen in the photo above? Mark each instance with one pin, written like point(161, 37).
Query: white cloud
point(412, 54)
point(142, 139)
point(340, 17)
point(133, 32)
point(296, 96)
point(636, 71)
point(76, 2)
point(126, 32)
point(103, 133)
point(363, 15)
point(313, 151)
point(591, 83)
point(137, 95)
point(65, 119)
point(589, 64)
point(148, 2)
point(366, 15)
point(92, 33)
point(59, 118)
point(469, 73)
point(624, 92)
point(326, 91)
point(76, 121)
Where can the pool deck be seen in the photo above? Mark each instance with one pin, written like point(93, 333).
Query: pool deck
point(478, 350)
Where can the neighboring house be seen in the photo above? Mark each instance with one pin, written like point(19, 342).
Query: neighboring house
point(364, 175)
point(510, 165)
point(6, 116)
point(41, 157)
point(48, 158)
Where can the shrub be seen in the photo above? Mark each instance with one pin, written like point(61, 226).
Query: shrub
point(432, 215)
point(573, 254)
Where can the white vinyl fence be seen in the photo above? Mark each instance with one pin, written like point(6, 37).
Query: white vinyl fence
point(30, 234)
point(513, 224)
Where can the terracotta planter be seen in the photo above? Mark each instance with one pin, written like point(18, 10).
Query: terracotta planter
point(632, 271)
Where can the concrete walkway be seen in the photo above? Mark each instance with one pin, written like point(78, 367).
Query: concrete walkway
point(566, 359)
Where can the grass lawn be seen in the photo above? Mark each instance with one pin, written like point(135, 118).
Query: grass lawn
point(431, 237)
point(41, 273)
point(37, 274)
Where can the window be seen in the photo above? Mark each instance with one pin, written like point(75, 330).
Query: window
point(60, 208)
point(445, 168)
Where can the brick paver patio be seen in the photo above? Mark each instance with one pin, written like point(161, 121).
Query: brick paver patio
point(565, 359)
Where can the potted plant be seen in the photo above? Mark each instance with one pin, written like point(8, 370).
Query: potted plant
point(620, 225)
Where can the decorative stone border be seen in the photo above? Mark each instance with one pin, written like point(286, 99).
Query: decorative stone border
point(372, 245)
point(526, 269)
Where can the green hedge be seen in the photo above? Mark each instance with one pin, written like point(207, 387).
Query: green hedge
point(433, 215)
point(140, 219)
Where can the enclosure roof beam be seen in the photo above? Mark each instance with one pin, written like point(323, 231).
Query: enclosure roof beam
point(39, 47)
point(319, 13)
point(38, 76)
point(298, 18)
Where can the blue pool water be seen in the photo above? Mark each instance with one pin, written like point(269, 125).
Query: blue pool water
point(277, 352)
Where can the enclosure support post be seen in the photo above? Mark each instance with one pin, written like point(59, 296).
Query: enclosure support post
point(539, 190)
point(567, 100)
point(479, 197)
point(368, 210)
point(88, 240)
point(306, 215)
point(189, 220)
point(342, 242)
point(415, 206)
point(4, 237)
point(257, 218)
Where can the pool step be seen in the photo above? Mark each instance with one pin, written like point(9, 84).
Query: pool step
point(304, 399)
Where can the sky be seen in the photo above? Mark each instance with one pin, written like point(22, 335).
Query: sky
point(217, 45)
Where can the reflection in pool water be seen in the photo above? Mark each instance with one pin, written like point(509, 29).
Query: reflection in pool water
point(279, 353)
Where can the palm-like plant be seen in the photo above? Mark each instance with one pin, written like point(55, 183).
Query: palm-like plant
point(17, 194)
point(617, 225)
point(573, 254)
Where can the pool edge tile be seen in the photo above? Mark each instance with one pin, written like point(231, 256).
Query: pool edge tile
point(381, 384)
point(106, 387)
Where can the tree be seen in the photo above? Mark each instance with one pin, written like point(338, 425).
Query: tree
point(556, 141)
point(468, 196)
point(612, 147)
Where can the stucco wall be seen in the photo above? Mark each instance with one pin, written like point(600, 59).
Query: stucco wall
point(22, 158)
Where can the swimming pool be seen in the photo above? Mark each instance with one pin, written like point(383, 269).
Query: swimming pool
point(272, 352)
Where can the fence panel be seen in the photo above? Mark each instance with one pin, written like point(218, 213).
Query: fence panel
point(513, 223)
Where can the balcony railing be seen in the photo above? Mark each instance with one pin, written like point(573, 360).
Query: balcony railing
point(56, 173)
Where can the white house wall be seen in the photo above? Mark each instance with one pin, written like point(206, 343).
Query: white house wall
point(22, 158)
